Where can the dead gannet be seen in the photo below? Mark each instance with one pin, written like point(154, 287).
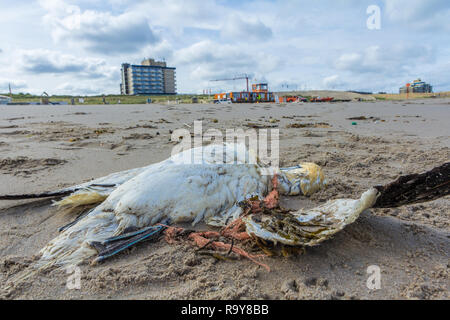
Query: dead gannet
point(201, 184)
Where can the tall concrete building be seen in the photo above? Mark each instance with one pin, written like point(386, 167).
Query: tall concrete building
point(151, 77)
point(417, 86)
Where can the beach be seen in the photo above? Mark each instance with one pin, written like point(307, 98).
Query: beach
point(358, 145)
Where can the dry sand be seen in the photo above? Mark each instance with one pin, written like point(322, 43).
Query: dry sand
point(49, 147)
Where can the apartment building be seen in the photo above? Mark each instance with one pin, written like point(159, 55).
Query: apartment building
point(150, 77)
point(417, 86)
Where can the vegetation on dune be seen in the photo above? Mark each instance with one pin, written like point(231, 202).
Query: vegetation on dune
point(113, 99)
point(403, 96)
point(184, 98)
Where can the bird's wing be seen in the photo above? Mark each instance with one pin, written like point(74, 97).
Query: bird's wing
point(212, 154)
point(104, 186)
point(308, 227)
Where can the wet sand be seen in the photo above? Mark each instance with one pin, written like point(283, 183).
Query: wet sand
point(48, 147)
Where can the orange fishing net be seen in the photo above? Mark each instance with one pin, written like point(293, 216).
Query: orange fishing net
point(234, 230)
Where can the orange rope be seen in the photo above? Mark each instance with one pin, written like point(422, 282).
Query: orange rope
point(271, 200)
point(200, 239)
point(232, 230)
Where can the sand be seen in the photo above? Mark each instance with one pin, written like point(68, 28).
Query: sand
point(48, 147)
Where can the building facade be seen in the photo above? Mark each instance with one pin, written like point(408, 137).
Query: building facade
point(151, 77)
point(5, 100)
point(417, 86)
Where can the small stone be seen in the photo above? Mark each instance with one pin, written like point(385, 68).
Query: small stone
point(310, 281)
point(339, 293)
point(322, 282)
point(289, 286)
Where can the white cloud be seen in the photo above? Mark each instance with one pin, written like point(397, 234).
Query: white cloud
point(69, 88)
point(349, 61)
point(15, 84)
point(333, 82)
point(175, 15)
point(419, 14)
point(160, 50)
point(208, 60)
point(41, 61)
point(99, 32)
point(394, 59)
point(244, 29)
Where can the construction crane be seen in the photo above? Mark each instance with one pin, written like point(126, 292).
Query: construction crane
point(245, 76)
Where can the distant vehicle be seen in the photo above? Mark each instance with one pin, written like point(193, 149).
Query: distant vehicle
point(295, 99)
point(291, 98)
point(5, 100)
point(224, 101)
point(288, 99)
point(319, 99)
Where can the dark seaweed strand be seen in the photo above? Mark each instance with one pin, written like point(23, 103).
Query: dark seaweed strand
point(36, 195)
point(415, 188)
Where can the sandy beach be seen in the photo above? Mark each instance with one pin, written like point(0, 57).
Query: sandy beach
point(358, 144)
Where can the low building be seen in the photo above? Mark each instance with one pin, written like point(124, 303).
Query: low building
point(417, 86)
point(150, 77)
point(260, 93)
point(5, 100)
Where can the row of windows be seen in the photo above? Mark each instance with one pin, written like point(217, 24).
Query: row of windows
point(154, 84)
point(147, 74)
point(146, 71)
point(147, 87)
point(147, 84)
point(148, 79)
point(147, 91)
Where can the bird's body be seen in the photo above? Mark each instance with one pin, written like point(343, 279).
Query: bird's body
point(201, 184)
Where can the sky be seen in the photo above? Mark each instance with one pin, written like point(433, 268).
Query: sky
point(77, 47)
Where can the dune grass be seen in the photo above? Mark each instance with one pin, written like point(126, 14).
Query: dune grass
point(403, 96)
point(182, 98)
point(114, 99)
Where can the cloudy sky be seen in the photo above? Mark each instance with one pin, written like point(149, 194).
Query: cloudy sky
point(77, 47)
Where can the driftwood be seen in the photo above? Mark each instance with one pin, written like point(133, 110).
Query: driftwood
point(415, 188)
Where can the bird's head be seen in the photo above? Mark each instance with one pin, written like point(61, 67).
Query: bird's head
point(305, 178)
